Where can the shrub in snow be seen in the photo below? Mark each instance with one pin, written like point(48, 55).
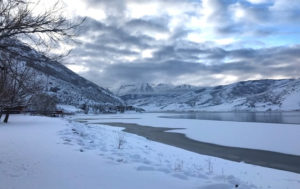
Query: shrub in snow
point(120, 139)
point(85, 108)
point(43, 104)
point(178, 165)
point(210, 166)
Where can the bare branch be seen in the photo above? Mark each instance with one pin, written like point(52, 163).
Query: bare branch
point(26, 38)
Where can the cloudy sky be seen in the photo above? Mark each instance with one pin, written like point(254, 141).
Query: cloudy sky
point(199, 42)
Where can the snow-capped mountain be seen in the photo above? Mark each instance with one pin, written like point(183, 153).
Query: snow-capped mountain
point(142, 88)
point(153, 89)
point(259, 95)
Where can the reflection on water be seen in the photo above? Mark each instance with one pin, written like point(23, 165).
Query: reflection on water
point(265, 117)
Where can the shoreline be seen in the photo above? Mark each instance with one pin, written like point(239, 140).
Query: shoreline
point(263, 158)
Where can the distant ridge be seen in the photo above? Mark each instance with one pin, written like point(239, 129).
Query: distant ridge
point(255, 95)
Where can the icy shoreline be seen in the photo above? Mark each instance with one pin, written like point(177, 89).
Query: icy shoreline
point(255, 157)
point(284, 138)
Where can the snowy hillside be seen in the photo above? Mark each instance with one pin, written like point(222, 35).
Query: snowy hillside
point(258, 95)
point(67, 86)
point(72, 89)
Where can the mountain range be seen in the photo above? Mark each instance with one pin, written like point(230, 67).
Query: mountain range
point(154, 89)
point(255, 95)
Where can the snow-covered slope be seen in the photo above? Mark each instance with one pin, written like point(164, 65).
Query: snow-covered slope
point(258, 95)
point(67, 86)
point(72, 89)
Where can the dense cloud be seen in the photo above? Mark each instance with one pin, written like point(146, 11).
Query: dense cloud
point(206, 42)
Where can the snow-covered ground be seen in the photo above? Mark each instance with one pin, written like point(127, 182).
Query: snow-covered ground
point(40, 152)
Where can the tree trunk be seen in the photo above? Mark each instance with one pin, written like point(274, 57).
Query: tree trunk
point(6, 117)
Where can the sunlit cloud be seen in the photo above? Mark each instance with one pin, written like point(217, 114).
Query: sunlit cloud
point(205, 42)
point(78, 68)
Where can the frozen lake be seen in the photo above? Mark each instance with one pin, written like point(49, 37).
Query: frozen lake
point(276, 137)
point(263, 117)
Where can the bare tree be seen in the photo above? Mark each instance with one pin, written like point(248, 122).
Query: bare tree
point(23, 29)
point(20, 84)
point(46, 29)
